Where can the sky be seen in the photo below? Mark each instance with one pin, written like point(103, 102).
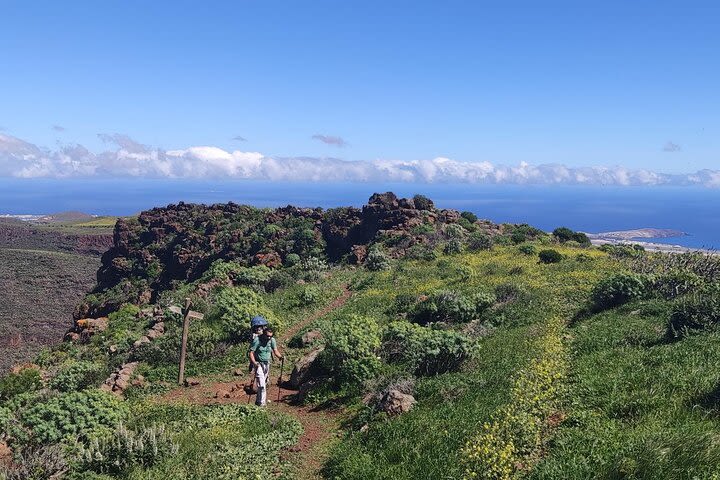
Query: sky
point(520, 92)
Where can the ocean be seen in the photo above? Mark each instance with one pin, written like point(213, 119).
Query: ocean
point(589, 209)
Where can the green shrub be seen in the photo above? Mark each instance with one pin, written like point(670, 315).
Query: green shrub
point(377, 259)
point(312, 268)
point(675, 283)
point(78, 375)
point(423, 229)
point(617, 290)
point(453, 246)
point(527, 249)
point(403, 303)
point(351, 344)
point(469, 216)
point(26, 380)
point(292, 259)
point(426, 351)
point(421, 252)
point(451, 307)
point(454, 231)
point(126, 449)
point(278, 280)
point(696, 312)
point(479, 241)
point(308, 295)
point(550, 256)
point(467, 225)
point(564, 234)
point(234, 307)
point(75, 415)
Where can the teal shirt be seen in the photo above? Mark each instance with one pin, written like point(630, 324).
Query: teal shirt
point(263, 350)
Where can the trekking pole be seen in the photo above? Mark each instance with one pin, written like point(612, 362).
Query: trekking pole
point(282, 365)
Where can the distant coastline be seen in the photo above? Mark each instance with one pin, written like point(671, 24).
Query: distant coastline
point(639, 237)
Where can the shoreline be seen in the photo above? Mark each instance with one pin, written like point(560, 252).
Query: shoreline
point(652, 246)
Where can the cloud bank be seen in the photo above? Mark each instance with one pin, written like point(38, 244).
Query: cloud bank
point(128, 158)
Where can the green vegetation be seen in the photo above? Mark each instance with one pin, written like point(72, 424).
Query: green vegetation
point(526, 356)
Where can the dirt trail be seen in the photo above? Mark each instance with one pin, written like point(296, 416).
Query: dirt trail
point(319, 426)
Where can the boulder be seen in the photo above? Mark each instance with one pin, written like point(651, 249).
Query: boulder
point(222, 394)
point(311, 337)
point(303, 367)
point(359, 253)
point(394, 402)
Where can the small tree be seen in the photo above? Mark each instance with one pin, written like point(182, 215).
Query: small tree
point(550, 256)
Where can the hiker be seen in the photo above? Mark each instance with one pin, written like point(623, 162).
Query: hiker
point(257, 324)
point(262, 350)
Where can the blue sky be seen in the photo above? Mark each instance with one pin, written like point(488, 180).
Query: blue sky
point(576, 83)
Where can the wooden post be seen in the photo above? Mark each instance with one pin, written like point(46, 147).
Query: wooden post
point(183, 347)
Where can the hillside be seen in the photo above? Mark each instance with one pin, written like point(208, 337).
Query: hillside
point(45, 269)
point(40, 290)
point(426, 344)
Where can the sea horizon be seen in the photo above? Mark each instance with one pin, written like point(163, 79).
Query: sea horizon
point(591, 209)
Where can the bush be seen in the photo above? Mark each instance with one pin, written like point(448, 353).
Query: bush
point(309, 295)
point(279, 279)
point(453, 247)
point(425, 351)
point(454, 231)
point(75, 415)
point(676, 283)
point(126, 449)
point(469, 216)
point(697, 312)
point(527, 249)
point(617, 290)
point(292, 259)
point(421, 252)
point(479, 241)
point(351, 348)
point(451, 307)
point(77, 376)
point(377, 260)
point(508, 292)
point(36, 463)
point(403, 303)
point(518, 238)
point(26, 380)
point(233, 309)
point(312, 268)
point(550, 256)
point(564, 234)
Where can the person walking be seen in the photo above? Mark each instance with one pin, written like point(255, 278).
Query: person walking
point(262, 349)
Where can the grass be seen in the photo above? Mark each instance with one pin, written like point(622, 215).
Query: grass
point(553, 391)
point(640, 406)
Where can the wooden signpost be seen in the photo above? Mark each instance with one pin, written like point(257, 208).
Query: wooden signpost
point(187, 315)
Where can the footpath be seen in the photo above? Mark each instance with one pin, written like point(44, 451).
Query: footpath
point(320, 426)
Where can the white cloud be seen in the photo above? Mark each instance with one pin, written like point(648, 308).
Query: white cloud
point(129, 158)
